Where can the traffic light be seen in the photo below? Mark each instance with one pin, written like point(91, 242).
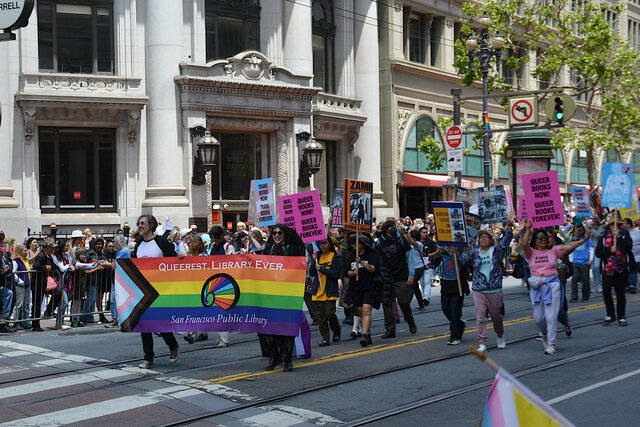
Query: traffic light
point(560, 108)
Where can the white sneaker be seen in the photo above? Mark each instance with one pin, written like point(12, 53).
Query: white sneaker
point(63, 327)
point(502, 343)
point(482, 348)
point(550, 349)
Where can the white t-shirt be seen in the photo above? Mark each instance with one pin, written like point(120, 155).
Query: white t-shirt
point(149, 249)
point(635, 238)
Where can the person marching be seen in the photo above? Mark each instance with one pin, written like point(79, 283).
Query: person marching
point(450, 298)
point(325, 290)
point(149, 245)
point(546, 289)
point(486, 263)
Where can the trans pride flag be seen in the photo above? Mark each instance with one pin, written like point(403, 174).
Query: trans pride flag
point(511, 404)
point(251, 293)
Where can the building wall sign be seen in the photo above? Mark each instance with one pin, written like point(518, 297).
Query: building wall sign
point(15, 14)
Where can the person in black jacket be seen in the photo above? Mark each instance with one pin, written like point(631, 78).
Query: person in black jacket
point(43, 262)
point(325, 290)
point(150, 245)
point(614, 251)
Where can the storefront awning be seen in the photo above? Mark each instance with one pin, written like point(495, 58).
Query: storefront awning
point(414, 179)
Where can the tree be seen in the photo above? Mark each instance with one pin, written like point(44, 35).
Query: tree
point(564, 37)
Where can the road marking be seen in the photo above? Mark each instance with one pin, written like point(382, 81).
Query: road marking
point(107, 407)
point(303, 415)
point(592, 387)
point(25, 349)
point(10, 369)
point(215, 389)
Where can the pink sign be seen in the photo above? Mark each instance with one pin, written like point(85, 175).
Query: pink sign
point(522, 209)
point(303, 212)
point(542, 194)
point(509, 198)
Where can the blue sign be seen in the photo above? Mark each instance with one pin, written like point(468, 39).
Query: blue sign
point(617, 184)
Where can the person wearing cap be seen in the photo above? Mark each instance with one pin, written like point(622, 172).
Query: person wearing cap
point(43, 262)
point(486, 263)
point(362, 269)
point(241, 226)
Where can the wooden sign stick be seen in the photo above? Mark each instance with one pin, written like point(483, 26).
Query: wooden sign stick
point(615, 226)
point(357, 253)
point(455, 260)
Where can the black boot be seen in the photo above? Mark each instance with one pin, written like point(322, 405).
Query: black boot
point(348, 317)
point(273, 362)
point(366, 340)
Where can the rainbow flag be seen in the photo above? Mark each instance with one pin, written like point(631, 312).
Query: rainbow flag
point(251, 293)
point(487, 125)
point(511, 404)
point(95, 267)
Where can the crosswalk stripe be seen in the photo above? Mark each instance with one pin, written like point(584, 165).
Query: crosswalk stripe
point(28, 349)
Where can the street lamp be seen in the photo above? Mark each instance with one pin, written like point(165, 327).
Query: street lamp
point(54, 229)
point(484, 55)
point(207, 150)
point(311, 158)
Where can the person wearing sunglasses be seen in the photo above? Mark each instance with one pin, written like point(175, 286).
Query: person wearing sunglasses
point(545, 287)
point(282, 241)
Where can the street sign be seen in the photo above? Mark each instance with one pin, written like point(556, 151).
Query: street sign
point(568, 107)
point(15, 14)
point(453, 136)
point(523, 111)
point(454, 160)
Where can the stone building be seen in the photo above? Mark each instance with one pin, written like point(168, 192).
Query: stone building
point(104, 102)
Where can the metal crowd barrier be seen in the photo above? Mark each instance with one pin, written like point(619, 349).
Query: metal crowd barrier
point(79, 295)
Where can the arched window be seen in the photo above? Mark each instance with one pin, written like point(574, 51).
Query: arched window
point(636, 169)
point(579, 173)
point(414, 160)
point(472, 161)
point(557, 164)
point(612, 156)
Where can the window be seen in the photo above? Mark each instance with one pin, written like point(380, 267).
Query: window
point(510, 74)
point(579, 84)
point(77, 170)
point(76, 38)
point(612, 19)
point(326, 178)
point(415, 160)
point(557, 164)
point(324, 34)
point(612, 156)
point(231, 27)
point(636, 169)
point(633, 28)
point(474, 161)
point(579, 172)
point(240, 160)
point(423, 37)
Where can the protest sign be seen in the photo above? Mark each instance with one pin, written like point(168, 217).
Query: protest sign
point(253, 293)
point(358, 206)
point(336, 209)
point(522, 209)
point(595, 201)
point(507, 193)
point(617, 184)
point(544, 203)
point(492, 204)
point(466, 196)
point(632, 212)
point(265, 203)
point(251, 213)
point(451, 224)
point(474, 222)
point(580, 196)
point(303, 212)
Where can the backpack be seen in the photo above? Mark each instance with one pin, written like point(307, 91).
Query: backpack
point(518, 267)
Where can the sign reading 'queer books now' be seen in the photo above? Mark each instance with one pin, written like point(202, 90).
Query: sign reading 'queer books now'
point(251, 293)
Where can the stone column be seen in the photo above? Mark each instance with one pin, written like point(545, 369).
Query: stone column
point(164, 51)
point(7, 126)
point(367, 148)
point(298, 55)
point(344, 48)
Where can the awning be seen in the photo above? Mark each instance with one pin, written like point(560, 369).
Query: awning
point(414, 179)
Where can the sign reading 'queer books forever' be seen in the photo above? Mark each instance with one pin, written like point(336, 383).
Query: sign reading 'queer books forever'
point(303, 212)
point(253, 293)
point(544, 204)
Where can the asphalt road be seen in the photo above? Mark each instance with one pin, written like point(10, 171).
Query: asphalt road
point(55, 378)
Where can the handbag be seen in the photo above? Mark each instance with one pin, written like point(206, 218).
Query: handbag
point(51, 284)
point(535, 282)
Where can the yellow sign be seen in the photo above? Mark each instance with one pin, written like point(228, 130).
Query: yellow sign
point(631, 213)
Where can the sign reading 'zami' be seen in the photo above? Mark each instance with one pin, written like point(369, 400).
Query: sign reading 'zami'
point(358, 206)
point(544, 204)
point(253, 293)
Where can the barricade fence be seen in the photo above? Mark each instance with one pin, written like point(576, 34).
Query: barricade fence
point(76, 296)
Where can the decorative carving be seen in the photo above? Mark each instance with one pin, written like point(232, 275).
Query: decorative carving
point(337, 104)
point(75, 83)
point(352, 137)
point(253, 67)
point(134, 121)
point(403, 118)
point(29, 116)
point(397, 6)
point(282, 166)
point(253, 125)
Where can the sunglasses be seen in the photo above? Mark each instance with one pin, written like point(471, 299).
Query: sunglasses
point(542, 237)
point(141, 223)
point(277, 233)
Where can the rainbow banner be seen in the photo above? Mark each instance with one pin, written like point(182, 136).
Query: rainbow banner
point(511, 404)
point(251, 293)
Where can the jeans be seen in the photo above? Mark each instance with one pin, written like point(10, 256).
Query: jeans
point(404, 293)
point(419, 272)
point(633, 279)
point(114, 308)
point(597, 277)
point(90, 301)
point(452, 308)
point(147, 343)
point(6, 299)
point(580, 275)
point(618, 282)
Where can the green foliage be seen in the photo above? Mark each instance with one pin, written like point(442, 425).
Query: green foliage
point(563, 36)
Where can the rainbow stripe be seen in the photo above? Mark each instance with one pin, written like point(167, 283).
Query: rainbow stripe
point(251, 293)
point(93, 268)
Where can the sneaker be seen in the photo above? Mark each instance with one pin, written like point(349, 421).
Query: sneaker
point(173, 355)
point(550, 349)
point(223, 344)
point(568, 330)
point(539, 337)
point(113, 324)
point(454, 342)
point(607, 320)
point(502, 343)
point(482, 348)
point(622, 321)
point(189, 338)
point(426, 301)
point(366, 340)
point(355, 335)
point(145, 365)
point(64, 327)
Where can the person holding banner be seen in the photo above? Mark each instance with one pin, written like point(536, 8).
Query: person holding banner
point(615, 251)
point(283, 241)
point(545, 287)
point(486, 263)
point(325, 290)
point(150, 245)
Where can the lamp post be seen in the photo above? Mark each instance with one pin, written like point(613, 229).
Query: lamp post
point(54, 230)
point(311, 158)
point(126, 228)
point(207, 150)
point(484, 55)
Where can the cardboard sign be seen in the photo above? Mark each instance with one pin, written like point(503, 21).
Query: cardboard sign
point(251, 213)
point(357, 214)
point(303, 212)
point(253, 293)
point(451, 224)
point(336, 209)
point(632, 212)
point(617, 184)
point(595, 201)
point(468, 197)
point(544, 203)
point(265, 204)
point(522, 209)
point(580, 196)
point(492, 204)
